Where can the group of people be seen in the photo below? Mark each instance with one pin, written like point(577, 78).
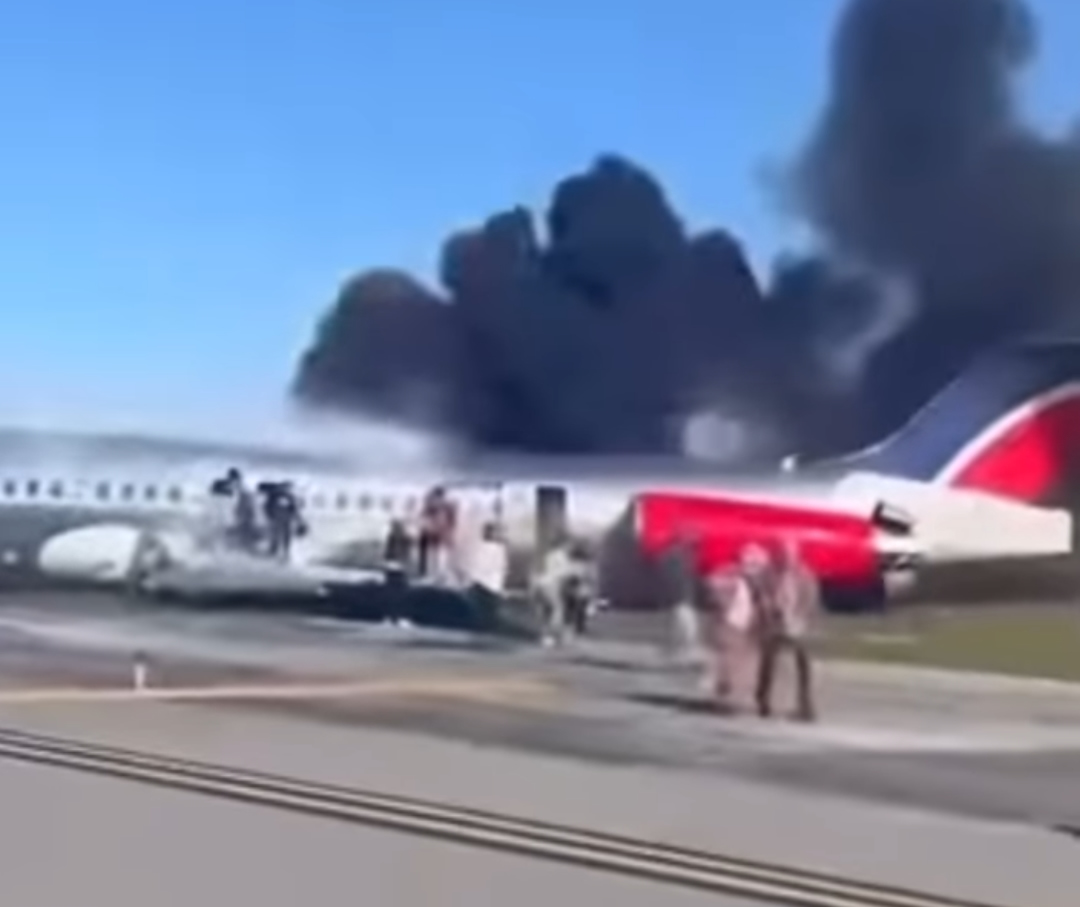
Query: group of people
point(423, 549)
point(745, 617)
point(437, 548)
point(263, 520)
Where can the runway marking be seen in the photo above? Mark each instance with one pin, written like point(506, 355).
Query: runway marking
point(490, 689)
point(543, 840)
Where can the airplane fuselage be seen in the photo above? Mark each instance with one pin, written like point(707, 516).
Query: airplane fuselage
point(82, 521)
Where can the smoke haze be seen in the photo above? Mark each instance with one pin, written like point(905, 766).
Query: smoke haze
point(945, 224)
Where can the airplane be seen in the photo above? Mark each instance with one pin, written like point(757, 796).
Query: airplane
point(979, 475)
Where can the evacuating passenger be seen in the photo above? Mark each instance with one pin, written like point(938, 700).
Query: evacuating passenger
point(785, 622)
point(242, 531)
point(398, 548)
point(488, 569)
point(245, 522)
point(397, 567)
point(579, 588)
point(681, 580)
point(548, 585)
point(281, 509)
point(219, 513)
point(565, 589)
point(437, 524)
point(735, 646)
point(234, 480)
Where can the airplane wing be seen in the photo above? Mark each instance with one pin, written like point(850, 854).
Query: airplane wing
point(228, 572)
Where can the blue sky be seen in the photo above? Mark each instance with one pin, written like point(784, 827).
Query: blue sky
point(184, 185)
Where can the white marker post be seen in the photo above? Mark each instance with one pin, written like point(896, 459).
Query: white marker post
point(140, 671)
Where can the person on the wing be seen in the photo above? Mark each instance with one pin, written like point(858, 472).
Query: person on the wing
point(487, 569)
point(244, 529)
point(398, 568)
point(438, 519)
point(281, 509)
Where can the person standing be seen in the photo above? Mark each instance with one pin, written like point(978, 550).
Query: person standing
point(787, 615)
point(281, 511)
point(579, 588)
point(437, 524)
point(397, 564)
point(487, 572)
point(681, 581)
point(736, 592)
point(549, 588)
point(245, 518)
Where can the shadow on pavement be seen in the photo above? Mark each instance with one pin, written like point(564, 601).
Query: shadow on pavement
point(690, 705)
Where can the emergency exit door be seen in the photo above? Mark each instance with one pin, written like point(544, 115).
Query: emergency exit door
point(551, 515)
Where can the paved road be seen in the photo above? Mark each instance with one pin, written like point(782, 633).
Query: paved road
point(973, 747)
point(998, 864)
point(79, 839)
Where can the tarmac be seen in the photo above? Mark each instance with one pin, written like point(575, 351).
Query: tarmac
point(81, 839)
point(960, 784)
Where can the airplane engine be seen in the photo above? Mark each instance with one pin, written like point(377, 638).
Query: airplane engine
point(842, 549)
point(107, 553)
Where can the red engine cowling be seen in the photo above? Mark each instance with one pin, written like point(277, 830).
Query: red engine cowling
point(838, 547)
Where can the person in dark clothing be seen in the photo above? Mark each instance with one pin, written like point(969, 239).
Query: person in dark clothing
point(682, 586)
point(397, 568)
point(579, 589)
point(437, 519)
point(789, 606)
point(245, 525)
point(398, 548)
point(281, 510)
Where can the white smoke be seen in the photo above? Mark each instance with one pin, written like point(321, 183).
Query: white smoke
point(846, 359)
point(367, 444)
point(723, 436)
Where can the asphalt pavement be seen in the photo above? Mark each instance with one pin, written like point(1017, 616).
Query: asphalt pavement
point(983, 752)
point(82, 839)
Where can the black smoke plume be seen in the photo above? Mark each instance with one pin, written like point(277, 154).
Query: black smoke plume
point(603, 336)
point(922, 167)
point(946, 225)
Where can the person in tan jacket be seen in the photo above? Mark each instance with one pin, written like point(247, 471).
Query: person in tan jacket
point(733, 596)
point(788, 609)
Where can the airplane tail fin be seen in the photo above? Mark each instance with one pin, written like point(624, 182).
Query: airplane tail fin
point(1009, 426)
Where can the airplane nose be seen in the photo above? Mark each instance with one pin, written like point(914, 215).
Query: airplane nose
point(92, 552)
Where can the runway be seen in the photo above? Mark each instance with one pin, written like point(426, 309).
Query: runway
point(83, 838)
point(695, 868)
point(526, 731)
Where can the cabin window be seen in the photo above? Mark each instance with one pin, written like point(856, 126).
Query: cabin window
point(56, 489)
point(102, 491)
point(150, 493)
point(363, 501)
point(127, 492)
point(387, 503)
point(10, 488)
point(176, 495)
point(32, 488)
point(342, 501)
point(318, 501)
